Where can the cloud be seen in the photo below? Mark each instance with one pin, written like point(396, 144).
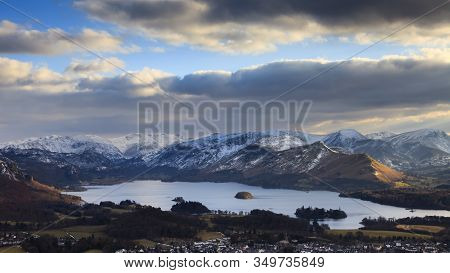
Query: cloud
point(17, 39)
point(253, 26)
point(22, 76)
point(395, 120)
point(80, 76)
point(12, 70)
point(143, 83)
point(96, 66)
point(392, 81)
point(395, 81)
point(397, 93)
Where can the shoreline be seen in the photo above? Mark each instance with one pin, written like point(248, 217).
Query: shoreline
point(279, 188)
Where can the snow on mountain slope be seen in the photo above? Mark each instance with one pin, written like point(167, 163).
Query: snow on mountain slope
point(409, 151)
point(344, 139)
point(431, 138)
point(205, 151)
point(284, 140)
point(129, 145)
point(8, 170)
point(68, 145)
point(380, 135)
point(278, 161)
point(310, 166)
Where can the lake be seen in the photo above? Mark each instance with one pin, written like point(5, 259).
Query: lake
point(220, 196)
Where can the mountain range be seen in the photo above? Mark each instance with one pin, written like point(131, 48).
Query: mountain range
point(295, 159)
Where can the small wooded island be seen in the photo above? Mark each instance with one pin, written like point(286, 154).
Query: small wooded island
point(319, 214)
point(190, 207)
point(243, 195)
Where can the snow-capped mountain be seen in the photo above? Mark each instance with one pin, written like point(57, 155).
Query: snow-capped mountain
point(407, 151)
point(63, 160)
point(313, 166)
point(113, 148)
point(67, 145)
point(344, 139)
point(271, 159)
point(255, 156)
point(380, 135)
point(130, 145)
point(205, 151)
point(432, 138)
point(67, 160)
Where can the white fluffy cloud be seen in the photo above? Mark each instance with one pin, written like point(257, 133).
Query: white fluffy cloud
point(12, 70)
point(22, 76)
point(17, 39)
point(80, 76)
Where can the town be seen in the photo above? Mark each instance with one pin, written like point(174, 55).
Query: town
point(225, 245)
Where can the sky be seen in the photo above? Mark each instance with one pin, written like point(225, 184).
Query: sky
point(81, 67)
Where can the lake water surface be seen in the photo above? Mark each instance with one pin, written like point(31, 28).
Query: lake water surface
point(220, 196)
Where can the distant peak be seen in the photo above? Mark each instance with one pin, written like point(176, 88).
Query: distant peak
point(348, 133)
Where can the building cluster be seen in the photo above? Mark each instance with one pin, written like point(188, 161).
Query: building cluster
point(12, 238)
point(224, 245)
point(389, 246)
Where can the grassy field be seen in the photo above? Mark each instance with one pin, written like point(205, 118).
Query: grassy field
point(209, 235)
point(77, 231)
point(120, 211)
point(11, 249)
point(421, 228)
point(145, 243)
point(378, 233)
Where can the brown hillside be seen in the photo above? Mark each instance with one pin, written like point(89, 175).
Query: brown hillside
point(358, 167)
point(24, 198)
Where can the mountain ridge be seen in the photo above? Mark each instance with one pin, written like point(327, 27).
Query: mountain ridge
point(310, 167)
point(90, 158)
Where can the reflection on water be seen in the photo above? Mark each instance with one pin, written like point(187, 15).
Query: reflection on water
point(221, 196)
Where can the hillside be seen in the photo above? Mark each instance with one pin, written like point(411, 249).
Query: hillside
point(310, 167)
point(22, 197)
point(418, 152)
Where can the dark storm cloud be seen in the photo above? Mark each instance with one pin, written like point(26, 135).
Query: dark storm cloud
point(254, 26)
point(327, 11)
point(145, 10)
point(357, 84)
